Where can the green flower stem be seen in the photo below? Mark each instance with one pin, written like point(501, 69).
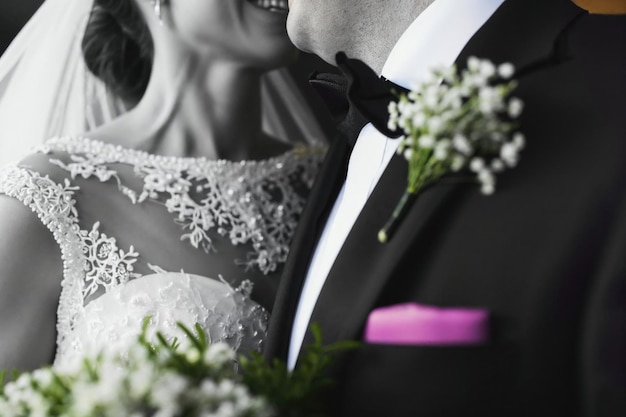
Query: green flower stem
point(398, 213)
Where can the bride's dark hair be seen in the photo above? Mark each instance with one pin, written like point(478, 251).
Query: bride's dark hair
point(117, 47)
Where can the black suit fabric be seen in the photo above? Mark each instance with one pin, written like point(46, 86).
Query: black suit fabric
point(545, 255)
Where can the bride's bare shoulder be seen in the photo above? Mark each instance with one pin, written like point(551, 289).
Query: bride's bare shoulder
point(30, 275)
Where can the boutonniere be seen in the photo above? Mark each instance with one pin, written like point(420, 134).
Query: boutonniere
point(455, 123)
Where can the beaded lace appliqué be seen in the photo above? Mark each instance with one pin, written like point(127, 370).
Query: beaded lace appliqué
point(92, 261)
point(250, 202)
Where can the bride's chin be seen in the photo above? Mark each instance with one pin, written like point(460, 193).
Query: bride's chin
point(265, 36)
point(257, 19)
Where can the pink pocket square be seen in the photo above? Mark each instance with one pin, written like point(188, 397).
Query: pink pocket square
point(415, 324)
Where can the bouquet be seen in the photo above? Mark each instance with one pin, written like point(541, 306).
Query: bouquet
point(168, 379)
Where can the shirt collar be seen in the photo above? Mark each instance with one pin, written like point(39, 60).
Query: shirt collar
point(436, 38)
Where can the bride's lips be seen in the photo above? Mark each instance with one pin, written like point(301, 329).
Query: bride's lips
point(277, 6)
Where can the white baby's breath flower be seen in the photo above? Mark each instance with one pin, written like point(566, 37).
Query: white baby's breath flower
point(43, 376)
point(442, 149)
point(487, 69)
point(426, 141)
point(408, 153)
point(509, 154)
point(193, 355)
point(167, 389)
point(461, 144)
point(431, 96)
point(485, 176)
point(519, 140)
point(473, 63)
point(489, 100)
point(141, 379)
point(418, 120)
point(506, 70)
point(515, 107)
point(435, 124)
point(487, 189)
point(219, 354)
point(477, 164)
point(458, 162)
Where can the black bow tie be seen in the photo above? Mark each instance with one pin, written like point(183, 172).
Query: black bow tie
point(359, 89)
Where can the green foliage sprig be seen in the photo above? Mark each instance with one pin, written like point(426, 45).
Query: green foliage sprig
point(172, 378)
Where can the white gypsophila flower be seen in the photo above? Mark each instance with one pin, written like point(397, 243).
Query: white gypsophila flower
point(426, 141)
point(485, 176)
point(84, 397)
point(458, 162)
point(487, 69)
point(140, 379)
point(497, 165)
point(489, 100)
point(461, 144)
point(43, 377)
point(473, 63)
point(509, 154)
point(487, 189)
point(169, 410)
point(442, 149)
point(519, 140)
point(192, 355)
point(167, 389)
point(23, 381)
point(516, 106)
point(456, 121)
point(38, 405)
point(506, 70)
point(477, 164)
point(225, 388)
point(418, 120)
point(392, 123)
point(225, 409)
point(208, 388)
point(431, 96)
point(219, 354)
point(110, 381)
point(435, 124)
point(448, 74)
point(6, 410)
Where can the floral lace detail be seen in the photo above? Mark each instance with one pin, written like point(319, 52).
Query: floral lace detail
point(106, 266)
point(250, 202)
point(91, 261)
point(114, 320)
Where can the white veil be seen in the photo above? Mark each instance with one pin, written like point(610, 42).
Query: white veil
point(286, 112)
point(46, 89)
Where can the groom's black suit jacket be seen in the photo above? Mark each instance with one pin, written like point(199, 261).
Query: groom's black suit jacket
point(546, 254)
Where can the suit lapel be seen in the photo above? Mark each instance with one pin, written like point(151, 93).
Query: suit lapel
point(364, 266)
point(328, 183)
point(364, 269)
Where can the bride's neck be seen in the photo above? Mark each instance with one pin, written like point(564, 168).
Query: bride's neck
point(211, 109)
point(195, 106)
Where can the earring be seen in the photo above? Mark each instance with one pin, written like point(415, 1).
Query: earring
point(157, 4)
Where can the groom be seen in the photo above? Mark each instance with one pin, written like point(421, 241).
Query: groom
point(505, 305)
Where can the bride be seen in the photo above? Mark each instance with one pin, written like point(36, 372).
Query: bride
point(181, 209)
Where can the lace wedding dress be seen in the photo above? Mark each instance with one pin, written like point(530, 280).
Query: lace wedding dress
point(176, 239)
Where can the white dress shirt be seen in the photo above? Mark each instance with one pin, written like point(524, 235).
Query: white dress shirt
point(435, 38)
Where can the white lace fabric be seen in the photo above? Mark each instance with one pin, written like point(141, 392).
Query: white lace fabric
point(115, 319)
point(251, 202)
